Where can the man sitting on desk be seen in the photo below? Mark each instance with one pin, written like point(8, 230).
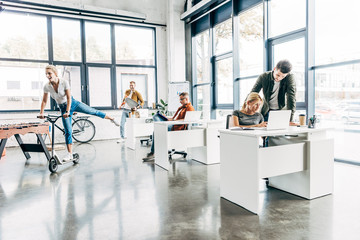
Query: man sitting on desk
point(179, 115)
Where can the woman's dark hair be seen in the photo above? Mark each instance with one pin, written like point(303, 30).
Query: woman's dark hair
point(284, 66)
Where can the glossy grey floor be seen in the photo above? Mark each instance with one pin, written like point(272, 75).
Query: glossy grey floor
point(112, 194)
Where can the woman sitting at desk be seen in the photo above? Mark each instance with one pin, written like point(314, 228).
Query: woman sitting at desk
point(249, 116)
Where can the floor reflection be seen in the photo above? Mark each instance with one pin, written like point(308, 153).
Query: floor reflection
point(112, 194)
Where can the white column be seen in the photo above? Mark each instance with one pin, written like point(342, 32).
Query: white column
point(176, 41)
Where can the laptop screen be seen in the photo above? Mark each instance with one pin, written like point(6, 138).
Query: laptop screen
point(192, 116)
point(279, 119)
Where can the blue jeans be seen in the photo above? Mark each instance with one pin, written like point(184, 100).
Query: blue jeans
point(124, 115)
point(157, 118)
point(76, 106)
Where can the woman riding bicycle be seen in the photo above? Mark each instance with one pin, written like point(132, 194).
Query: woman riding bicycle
point(59, 90)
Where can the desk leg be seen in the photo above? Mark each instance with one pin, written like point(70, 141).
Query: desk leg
point(20, 142)
point(161, 146)
point(239, 181)
point(317, 180)
point(2, 146)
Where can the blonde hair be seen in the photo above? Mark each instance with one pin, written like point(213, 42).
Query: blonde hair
point(52, 68)
point(253, 96)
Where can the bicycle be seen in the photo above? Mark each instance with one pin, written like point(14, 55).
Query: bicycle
point(83, 130)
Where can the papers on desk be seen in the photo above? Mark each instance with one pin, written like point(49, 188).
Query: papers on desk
point(240, 128)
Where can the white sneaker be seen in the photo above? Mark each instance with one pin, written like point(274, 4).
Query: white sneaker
point(121, 140)
point(115, 122)
point(68, 157)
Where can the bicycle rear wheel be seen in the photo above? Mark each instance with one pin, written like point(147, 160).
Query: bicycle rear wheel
point(83, 130)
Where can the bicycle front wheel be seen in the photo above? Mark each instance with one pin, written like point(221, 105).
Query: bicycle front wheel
point(83, 130)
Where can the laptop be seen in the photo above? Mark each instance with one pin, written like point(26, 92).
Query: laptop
point(278, 120)
point(192, 116)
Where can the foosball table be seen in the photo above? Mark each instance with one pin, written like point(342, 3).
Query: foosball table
point(8, 130)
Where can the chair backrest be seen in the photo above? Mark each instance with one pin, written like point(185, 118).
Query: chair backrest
point(228, 121)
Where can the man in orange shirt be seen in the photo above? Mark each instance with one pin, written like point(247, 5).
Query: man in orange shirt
point(179, 115)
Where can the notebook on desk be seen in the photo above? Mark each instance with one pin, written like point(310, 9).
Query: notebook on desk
point(278, 120)
point(192, 116)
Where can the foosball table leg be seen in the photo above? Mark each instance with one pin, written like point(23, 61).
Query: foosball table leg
point(2, 146)
point(20, 142)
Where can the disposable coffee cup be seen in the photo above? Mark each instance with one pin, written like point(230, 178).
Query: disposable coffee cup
point(302, 119)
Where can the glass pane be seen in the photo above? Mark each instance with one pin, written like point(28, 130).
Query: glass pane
point(66, 40)
point(203, 100)
point(251, 41)
point(245, 88)
point(71, 74)
point(99, 78)
point(336, 38)
point(222, 113)
point(98, 42)
point(286, 16)
point(144, 79)
point(23, 36)
point(224, 80)
point(223, 37)
point(134, 45)
point(202, 58)
point(337, 101)
point(294, 51)
point(21, 86)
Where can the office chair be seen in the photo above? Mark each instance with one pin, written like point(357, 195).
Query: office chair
point(173, 151)
point(229, 121)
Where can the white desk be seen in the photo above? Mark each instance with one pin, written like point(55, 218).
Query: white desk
point(201, 142)
point(137, 127)
point(302, 166)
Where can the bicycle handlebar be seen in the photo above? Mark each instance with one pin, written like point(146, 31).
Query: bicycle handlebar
point(51, 118)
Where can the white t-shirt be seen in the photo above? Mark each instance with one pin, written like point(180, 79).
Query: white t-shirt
point(273, 103)
point(59, 96)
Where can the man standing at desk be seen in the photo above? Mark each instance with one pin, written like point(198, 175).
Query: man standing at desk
point(134, 95)
point(278, 86)
point(179, 115)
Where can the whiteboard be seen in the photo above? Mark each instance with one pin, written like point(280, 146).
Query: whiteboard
point(175, 88)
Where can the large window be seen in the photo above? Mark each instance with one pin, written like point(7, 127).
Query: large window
point(287, 16)
point(337, 38)
point(223, 37)
point(23, 36)
point(337, 101)
point(202, 58)
point(134, 45)
point(84, 53)
point(21, 85)
point(294, 51)
point(202, 81)
point(73, 75)
point(251, 42)
point(224, 81)
point(203, 100)
point(144, 79)
point(66, 40)
point(100, 86)
point(98, 44)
